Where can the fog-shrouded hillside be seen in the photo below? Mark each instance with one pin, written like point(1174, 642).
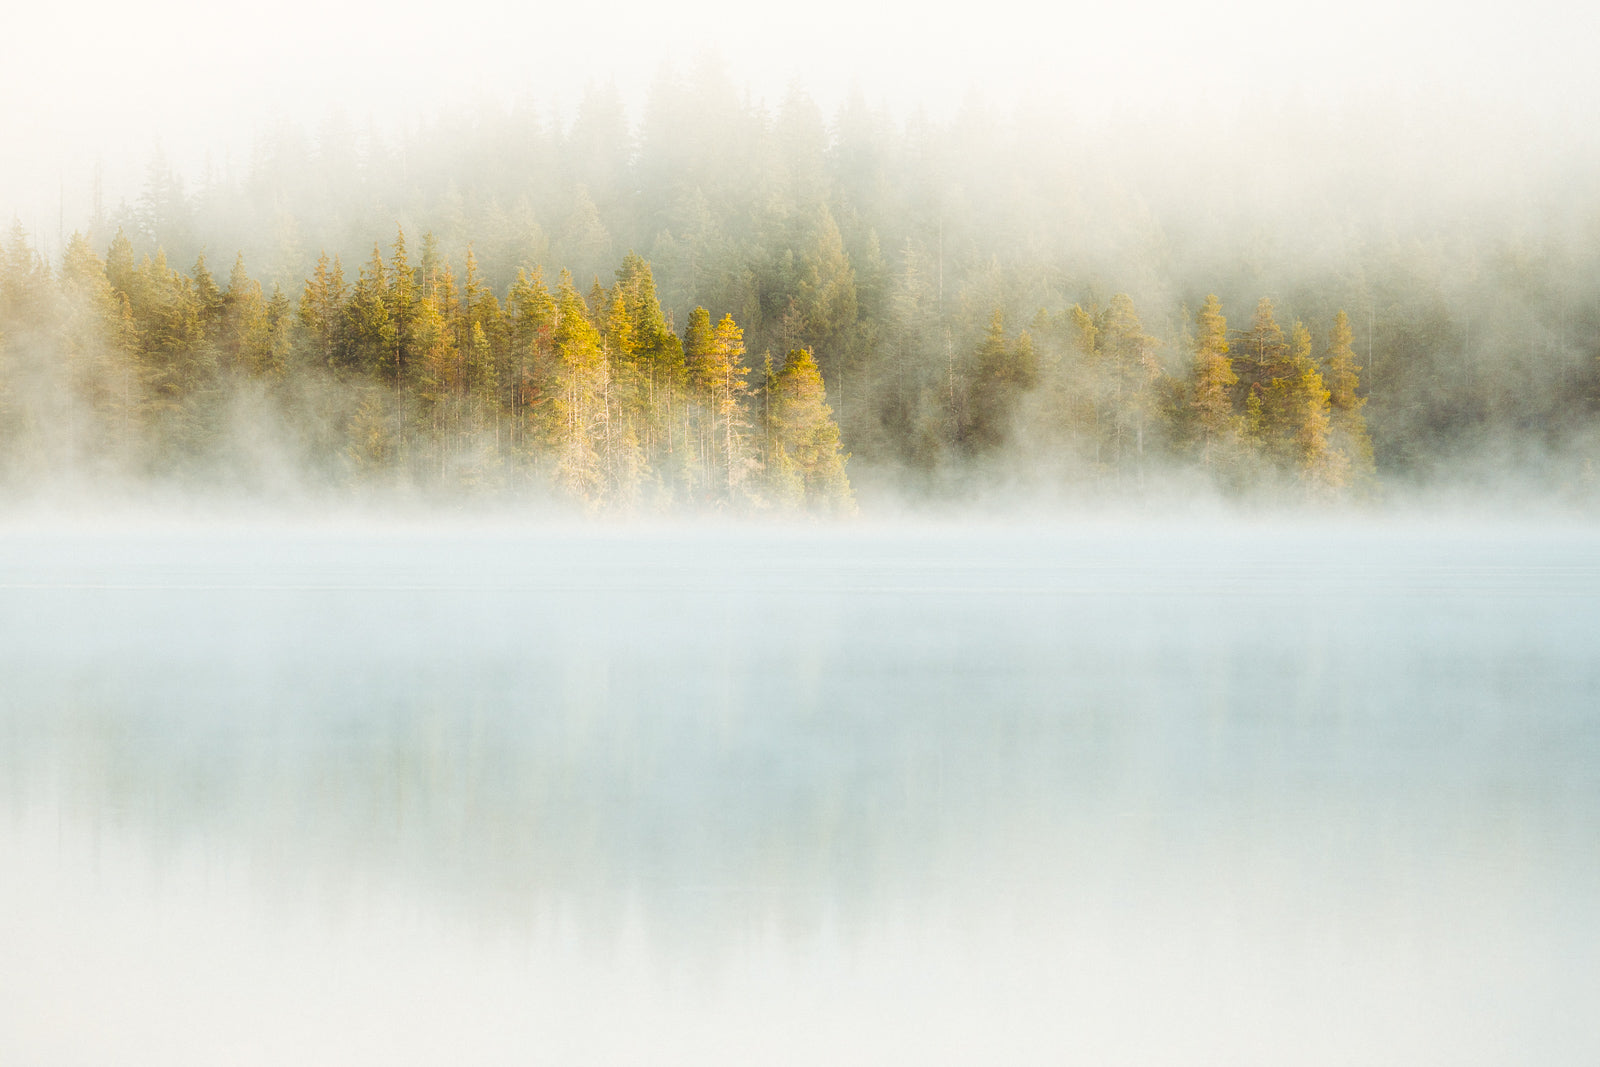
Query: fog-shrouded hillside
point(1280, 302)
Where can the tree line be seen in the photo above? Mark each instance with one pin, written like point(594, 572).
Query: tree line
point(408, 375)
point(884, 247)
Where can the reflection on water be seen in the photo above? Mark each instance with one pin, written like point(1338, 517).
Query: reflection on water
point(1142, 793)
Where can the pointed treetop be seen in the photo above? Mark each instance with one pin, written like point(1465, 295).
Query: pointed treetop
point(1212, 336)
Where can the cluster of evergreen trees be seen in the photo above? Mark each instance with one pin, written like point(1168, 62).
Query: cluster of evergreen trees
point(1085, 392)
point(403, 374)
point(902, 257)
point(408, 372)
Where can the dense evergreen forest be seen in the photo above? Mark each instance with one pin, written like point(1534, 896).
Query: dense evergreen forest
point(726, 306)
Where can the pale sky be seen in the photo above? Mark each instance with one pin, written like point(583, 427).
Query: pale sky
point(106, 81)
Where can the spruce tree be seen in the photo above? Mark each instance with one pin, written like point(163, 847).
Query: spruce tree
point(1213, 379)
point(1130, 362)
point(1349, 427)
point(724, 371)
point(321, 307)
point(700, 412)
point(805, 448)
point(580, 404)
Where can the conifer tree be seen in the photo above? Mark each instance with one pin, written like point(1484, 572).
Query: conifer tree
point(321, 309)
point(805, 446)
point(98, 355)
point(481, 333)
point(1349, 436)
point(1211, 395)
point(208, 300)
point(580, 405)
point(1259, 355)
point(119, 263)
point(825, 296)
point(530, 327)
point(1003, 371)
point(92, 305)
point(272, 361)
point(1130, 357)
point(657, 353)
point(438, 366)
point(721, 373)
point(700, 414)
point(244, 336)
point(1294, 408)
point(367, 327)
point(623, 453)
point(400, 298)
point(175, 364)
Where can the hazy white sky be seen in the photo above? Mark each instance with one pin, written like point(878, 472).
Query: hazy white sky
point(105, 80)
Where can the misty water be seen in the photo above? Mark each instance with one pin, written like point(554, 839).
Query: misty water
point(1148, 792)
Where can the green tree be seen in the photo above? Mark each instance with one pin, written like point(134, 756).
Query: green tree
point(1003, 372)
point(1212, 389)
point(401, 298)
point(1129, 355)
point(580, 405)
point(244, 334)
point(533, 380)
point(1349, 436)
point(367, 329)
point(1295, 413)
point(176, 365)
point(719, 373)
point(805, 447)
point(699, 412)
point(100, 344)
point(1259, 353)
point(321, 311)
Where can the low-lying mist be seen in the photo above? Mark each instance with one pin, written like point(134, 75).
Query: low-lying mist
point(343, 788)
point(701, 575)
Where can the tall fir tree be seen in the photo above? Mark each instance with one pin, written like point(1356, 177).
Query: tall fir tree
point(1349, 435)
point(806, 465)
point(1212, 389)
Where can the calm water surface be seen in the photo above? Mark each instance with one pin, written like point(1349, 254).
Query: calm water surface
point(1156, 792)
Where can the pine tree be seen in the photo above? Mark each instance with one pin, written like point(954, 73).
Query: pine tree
point(1130, 359)
point(400, 298)
point(724, 372)
point(119, 263)
point(208, 300)
point(700, 413)
point(1295, 420)
point(1211, 394)
point(272, 361)
point(175, 364)
point(530, 326)
point(367, 329)
point(244, 336)
point(481, 334)
point(805, 447)
point(1003, 372)
point(580, 405)
point(1259, 354)
point(825, 296)
point(1349, 427)
point(25, 289)
point(626, 396)
point(321, 309)
point(99, 374)
point(657, 353)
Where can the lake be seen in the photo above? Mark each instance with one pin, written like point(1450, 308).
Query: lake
point(1137, 791)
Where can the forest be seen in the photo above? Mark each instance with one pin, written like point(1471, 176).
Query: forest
point(732, 307)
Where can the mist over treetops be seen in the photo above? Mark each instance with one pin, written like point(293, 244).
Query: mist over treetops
point(716, 303)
